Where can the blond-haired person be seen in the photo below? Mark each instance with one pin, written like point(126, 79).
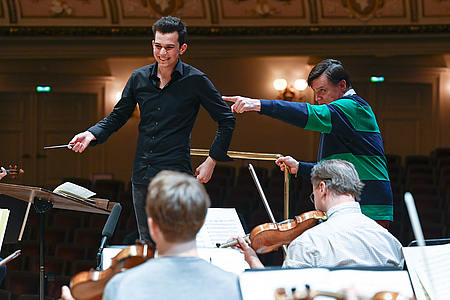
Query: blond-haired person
point(176, 207)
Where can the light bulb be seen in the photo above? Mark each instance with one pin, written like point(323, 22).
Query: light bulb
point(300, 84)
point(280, 84)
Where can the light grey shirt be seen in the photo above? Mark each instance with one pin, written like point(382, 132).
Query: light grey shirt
point(173, 278)
point(347, 238)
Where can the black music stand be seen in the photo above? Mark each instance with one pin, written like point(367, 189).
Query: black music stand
point(44, 200)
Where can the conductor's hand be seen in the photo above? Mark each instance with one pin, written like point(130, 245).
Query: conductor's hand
point(291, 163)
point(81, 141)
point(3, 173)
point(249, 254)
point(205, 170)
point(243, 104)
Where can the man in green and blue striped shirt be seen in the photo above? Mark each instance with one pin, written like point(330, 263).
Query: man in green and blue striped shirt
point(348, 128)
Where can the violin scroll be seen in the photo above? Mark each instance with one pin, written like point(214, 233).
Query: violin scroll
point(14, 172)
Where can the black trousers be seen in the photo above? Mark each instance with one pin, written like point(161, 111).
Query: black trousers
point(139, 200)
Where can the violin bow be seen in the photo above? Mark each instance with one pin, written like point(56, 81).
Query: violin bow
point(263, 198)
point(10, 257)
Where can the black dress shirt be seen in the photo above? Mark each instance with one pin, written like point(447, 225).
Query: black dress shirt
point(167, 118)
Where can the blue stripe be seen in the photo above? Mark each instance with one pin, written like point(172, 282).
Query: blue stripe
point(376, 192)
point(294, 113)
point(370, 144)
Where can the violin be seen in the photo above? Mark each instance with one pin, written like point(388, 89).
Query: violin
point(13, 172)
point(89, 285)
point(269, 237)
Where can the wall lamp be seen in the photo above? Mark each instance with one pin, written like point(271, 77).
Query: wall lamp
point(289, 92)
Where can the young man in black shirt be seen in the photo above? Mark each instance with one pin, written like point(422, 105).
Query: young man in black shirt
point(169, 93)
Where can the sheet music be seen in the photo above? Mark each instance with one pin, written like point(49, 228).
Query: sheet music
point(4, 214)
point(365, 282)
point(438, 258)
point(71, 189)
point(220, 225)
point(228, 259)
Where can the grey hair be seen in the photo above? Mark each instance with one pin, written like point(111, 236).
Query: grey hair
point(340, 177)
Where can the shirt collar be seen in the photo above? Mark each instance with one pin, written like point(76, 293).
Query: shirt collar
point(344, 208)
point(349, 92)
point(177, 71)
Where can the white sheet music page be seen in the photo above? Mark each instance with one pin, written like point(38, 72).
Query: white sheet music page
point(72, 189)
point(438, 258)
point(261, 285)
point(4, 214)
point(220, 225)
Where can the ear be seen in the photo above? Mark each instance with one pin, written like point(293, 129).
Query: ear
point(183, 48)
point(152, 226)
point(153, 43)
point(322, 187)
point(343, 85)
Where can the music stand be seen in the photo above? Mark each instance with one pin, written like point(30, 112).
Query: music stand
point(44, 200)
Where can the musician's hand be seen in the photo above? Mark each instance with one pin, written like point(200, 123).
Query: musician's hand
point(249, 254)
point(65, 293)
point(81, 141)
point(291, 163)
point(3, 173)
point(243, 104)
point(205, 170)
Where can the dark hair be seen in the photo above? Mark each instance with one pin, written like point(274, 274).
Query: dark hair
point(171, 24)
point(333, 69)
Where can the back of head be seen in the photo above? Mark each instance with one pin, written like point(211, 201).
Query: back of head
point(333, 69)
point(339, 175)
point(171, 24)
point(178, 203)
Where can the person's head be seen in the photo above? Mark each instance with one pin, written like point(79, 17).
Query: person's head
point(169, 41)
point(333, 178)
point(177, 203)
point(329, 81)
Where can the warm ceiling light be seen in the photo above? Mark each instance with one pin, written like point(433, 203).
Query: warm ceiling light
point(280, 84)
point(300, 84)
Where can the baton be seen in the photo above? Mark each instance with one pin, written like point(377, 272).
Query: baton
point(58, 146)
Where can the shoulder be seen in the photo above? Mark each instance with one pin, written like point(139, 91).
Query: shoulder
point(189, 70)
point(143, 71)
point(350, 101)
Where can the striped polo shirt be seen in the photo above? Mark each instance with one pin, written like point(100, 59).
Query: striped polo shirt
point(349, 131)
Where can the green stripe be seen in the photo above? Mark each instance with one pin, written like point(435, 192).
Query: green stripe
point(378, 212)
point(368, 167)
point(360, 116)
point(319, 118)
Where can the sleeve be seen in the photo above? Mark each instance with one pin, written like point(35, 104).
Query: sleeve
point(220, 112)
point(304, 115)
point(304, 169)
point(118, 117)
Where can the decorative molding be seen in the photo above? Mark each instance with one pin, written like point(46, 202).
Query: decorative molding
point(122, 31)
point(414, 11)
point(313, 12)
point(12, 10)
point(114, 11)
point(214, 12)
